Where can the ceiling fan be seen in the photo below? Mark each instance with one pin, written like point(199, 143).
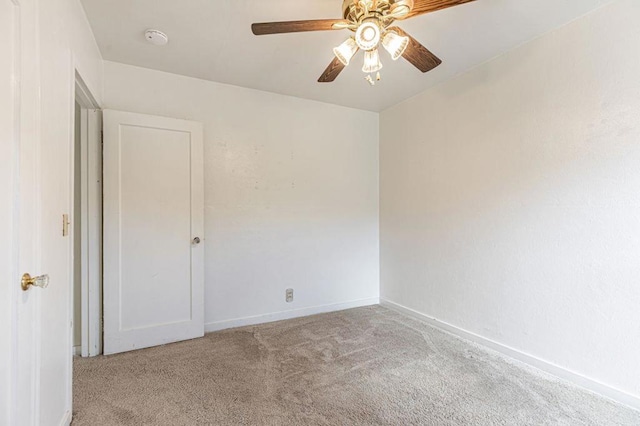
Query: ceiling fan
point(371, 23)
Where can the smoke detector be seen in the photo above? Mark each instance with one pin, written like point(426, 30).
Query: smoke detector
point(156, 37)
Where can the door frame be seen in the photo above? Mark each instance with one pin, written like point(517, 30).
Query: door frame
point(91, 214)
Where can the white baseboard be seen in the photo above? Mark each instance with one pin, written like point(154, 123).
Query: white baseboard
point(592, 385)
point(294, 313)
point(66, 419)
point(77, 350)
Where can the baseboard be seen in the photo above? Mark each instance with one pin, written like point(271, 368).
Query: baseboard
point(577, 379)
point(283, 315)
point(77, 350)
point(66, 419)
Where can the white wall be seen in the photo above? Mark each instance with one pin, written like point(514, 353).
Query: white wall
point(510, 199)
point(66, 45)
point(291, 194)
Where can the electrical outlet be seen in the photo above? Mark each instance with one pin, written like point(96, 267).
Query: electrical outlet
point(289, 295)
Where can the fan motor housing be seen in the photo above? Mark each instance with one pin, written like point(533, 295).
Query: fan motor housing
point(352, 11)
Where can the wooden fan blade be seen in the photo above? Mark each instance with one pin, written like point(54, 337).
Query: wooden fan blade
point(332, 71)
point(426, 6)
point(417, 54)
point(297, 26)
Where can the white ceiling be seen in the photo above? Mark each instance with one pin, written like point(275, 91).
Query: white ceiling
point(212, 40)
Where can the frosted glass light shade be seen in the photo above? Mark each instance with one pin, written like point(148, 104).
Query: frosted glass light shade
point(372, 61)
point(346, 50)
point(368, 35)
point(395, 44)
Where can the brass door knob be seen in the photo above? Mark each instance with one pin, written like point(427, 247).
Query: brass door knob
point(41, 281)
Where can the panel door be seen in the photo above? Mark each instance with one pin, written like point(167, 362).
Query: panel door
point(35, 325)
point(153, 231)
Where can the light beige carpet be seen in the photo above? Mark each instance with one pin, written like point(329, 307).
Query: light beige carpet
point(366, 366)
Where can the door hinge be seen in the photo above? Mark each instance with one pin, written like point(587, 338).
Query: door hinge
point(65, 225)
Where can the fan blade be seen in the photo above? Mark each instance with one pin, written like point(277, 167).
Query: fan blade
point(298, 26)
point(332, 71)
point(425, 6)
point(417, 54)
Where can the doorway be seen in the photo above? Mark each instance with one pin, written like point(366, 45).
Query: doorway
point(86, 223)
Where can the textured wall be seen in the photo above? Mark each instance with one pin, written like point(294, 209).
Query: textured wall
point(291, 191)
point(510, 199)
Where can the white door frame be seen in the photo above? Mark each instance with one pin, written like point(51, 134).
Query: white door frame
point(91, 214)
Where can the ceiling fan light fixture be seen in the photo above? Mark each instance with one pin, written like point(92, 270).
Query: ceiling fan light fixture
point(370, 21)
point(368, 34)
point(372, 61)
point(395, 44)
point(346, 50)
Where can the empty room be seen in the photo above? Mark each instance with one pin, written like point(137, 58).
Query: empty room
point(321, 212)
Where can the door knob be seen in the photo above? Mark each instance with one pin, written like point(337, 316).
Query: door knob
point(41, 281)
point(196, 240)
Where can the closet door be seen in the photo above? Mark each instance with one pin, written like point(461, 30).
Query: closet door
point(153, 231)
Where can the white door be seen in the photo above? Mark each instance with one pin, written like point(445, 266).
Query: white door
point(9, 146)
point(35, 352)
point(153, 231)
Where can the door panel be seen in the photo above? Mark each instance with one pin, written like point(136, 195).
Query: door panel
point(155, 224)
point(8, 147)
point(153, 209)
point(20, 324)
point(39, 322)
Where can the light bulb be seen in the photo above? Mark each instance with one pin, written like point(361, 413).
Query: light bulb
point(395, 44)
point(372, 61)
point(368, 35)
point(346, 50)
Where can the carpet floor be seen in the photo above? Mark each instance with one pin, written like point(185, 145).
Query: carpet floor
point(365, 366)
